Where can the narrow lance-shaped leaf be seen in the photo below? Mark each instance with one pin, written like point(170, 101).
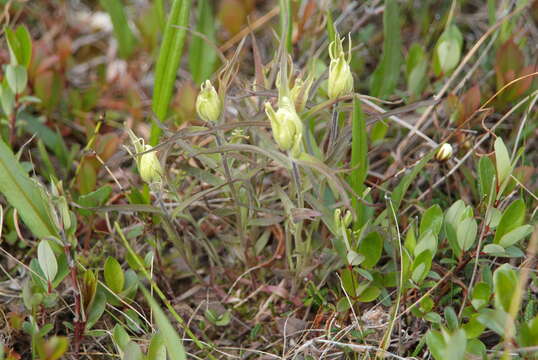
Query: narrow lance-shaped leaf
point(502, 160)
point(20, 46)
point(168, 60)
point(386, 75)
point(122, 31)
point(202, 55)
point(25, 195)
point(359, 159)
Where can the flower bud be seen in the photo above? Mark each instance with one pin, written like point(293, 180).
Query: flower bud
point(340, 77)
point(342, 221)
point(149, 166)
point(286, 125)
point(208, 103)
point(299, 92)
point(444, 153)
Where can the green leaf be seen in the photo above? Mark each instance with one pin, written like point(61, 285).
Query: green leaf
point(20, 46)
point(132, 352)
point(455, 346)
point(466, 233)
point(88, 289)
point(515, 235)
point(368, 293)
point(371, 248)
point(512, 218)
point(502, 160)
point(54, 348)
point(486, 176)
point(157, 349)
point(528, 333)
point(354, 258)
point(94, 199)
point(331, 33)
point(451, 318)
point(359, 161)
point(7, 98)
point(24, 194)
point(493, 217)
point(433, 317)
point(494, 319)
point(481, 295)
point(170, 56)
point(173, 342)
point(224, 319)
point(453, 216)
point(436, 344)
point(386, 75)
point(410, 241)
point(494, 250)
point(447, 51)
point(120, 337)
point(505, 282)
point(202, 55)
point(97, 309)
point(445, 345)
point(428, 242)
point(47, 260)
point(432, 219)
point(114, 277)
point(416, 67)
point(122, 31)
point(349, 282)
point(473, 328)
point(421, 266)
point(286, 24)
point(16, 77)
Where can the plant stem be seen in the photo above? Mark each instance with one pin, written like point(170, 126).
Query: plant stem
point(12, 122)
point(300, 204)
point(244, 241)
point(333, 134)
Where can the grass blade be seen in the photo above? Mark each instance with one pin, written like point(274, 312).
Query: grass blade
point(24, 195)
point(124, 35)
point(202, 56)
point(386, 75)
point(168, 60)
